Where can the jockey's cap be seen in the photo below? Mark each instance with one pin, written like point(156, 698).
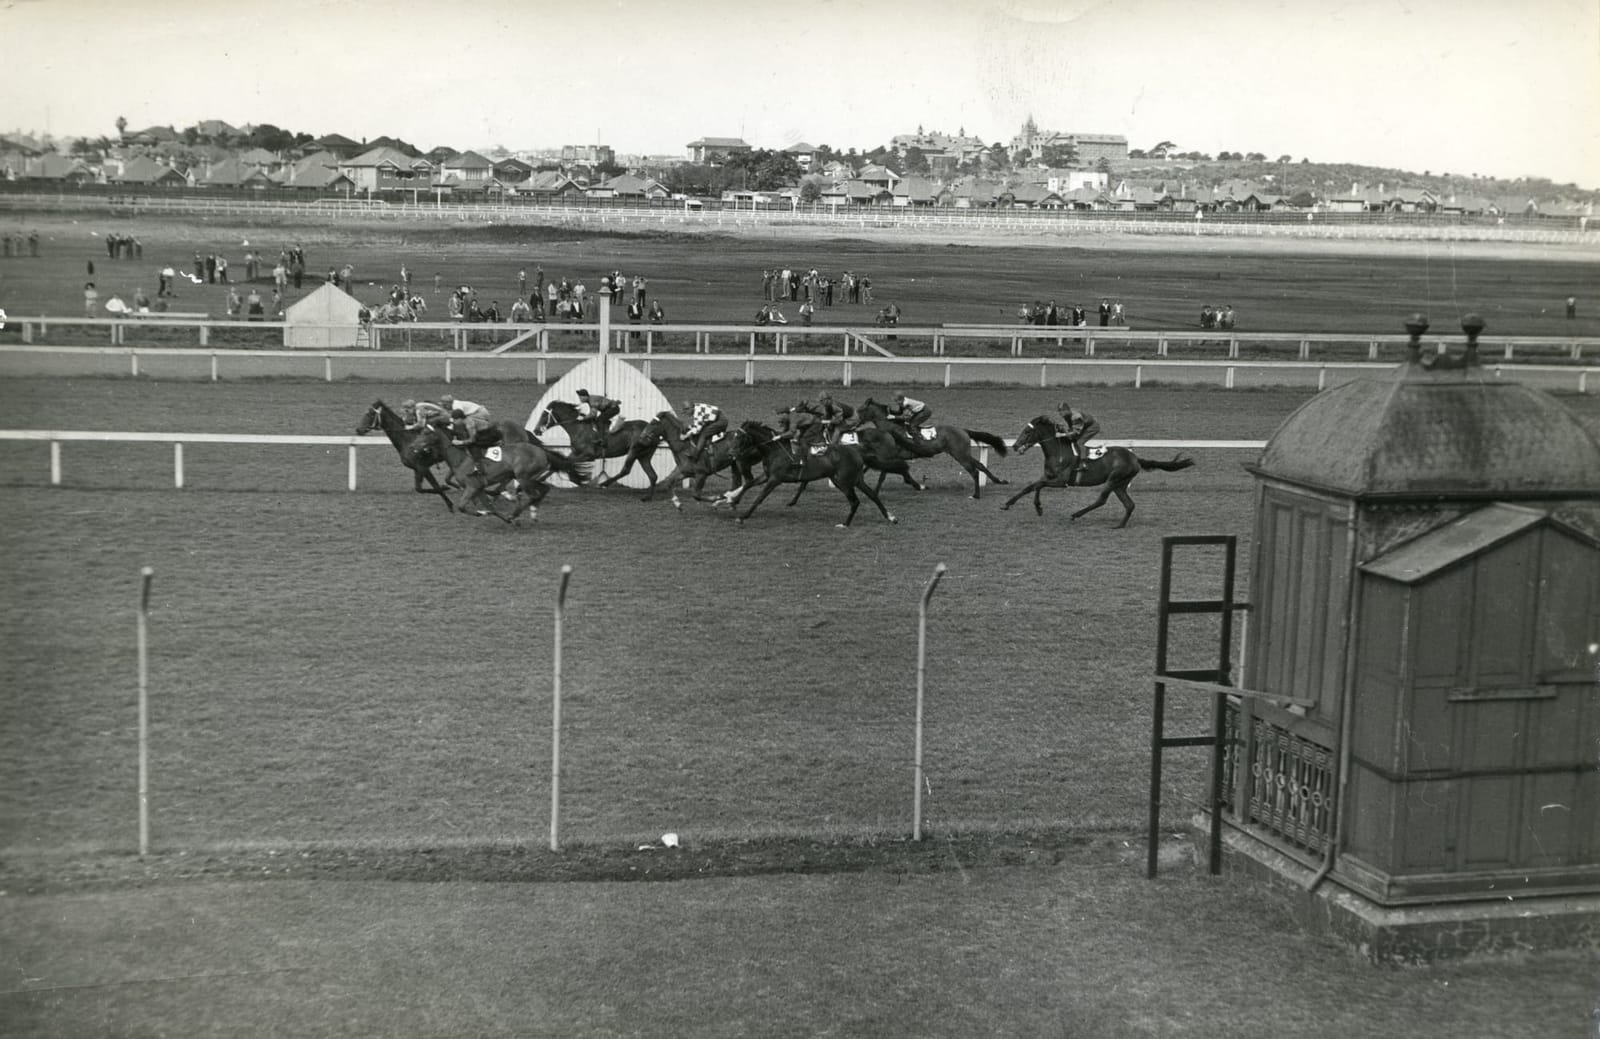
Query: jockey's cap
point(583, 393)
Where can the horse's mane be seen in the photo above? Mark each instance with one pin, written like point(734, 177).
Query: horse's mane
point(558, 408)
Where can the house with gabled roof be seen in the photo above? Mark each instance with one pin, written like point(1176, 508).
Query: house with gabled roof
point(318, 172)
point(58, 169)
point(1036, 196)
point(152, 135)
point(512, 170)
point(915, 191)
point(628, 185)
point(233, 173)
point(338, 144)
point(803, 153)
point(216, 130)
point(467, 167)
point(970, 193)
point(878, 176)
point(1465, 205)
point(550, 184)
point(385, 169)
point(141, 170)
point(713, 150)
point(262, 158)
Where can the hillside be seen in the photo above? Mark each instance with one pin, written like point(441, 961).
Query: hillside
point(1322, 178)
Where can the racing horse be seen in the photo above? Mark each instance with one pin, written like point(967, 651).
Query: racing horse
point(718, 455)
point(589, 443)
point(416, 450)
point(787, 462)
point(1116, 468)
point(880, 451)
point(951, 440)
point(522, 466)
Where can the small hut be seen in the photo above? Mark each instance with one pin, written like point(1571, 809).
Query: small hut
point(328, 319)
point(1426, 583)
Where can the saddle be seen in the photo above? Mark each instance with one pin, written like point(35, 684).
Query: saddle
point(927, 433)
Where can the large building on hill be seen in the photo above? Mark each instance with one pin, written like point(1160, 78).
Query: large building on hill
point(943, 152)
point(1090, 147)
point(712, 150)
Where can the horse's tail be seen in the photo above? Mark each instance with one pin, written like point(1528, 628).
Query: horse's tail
point(990, 439)
point(1178, 462)
point(561, 462)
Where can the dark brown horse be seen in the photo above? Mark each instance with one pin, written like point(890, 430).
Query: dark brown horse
point(951, 440)
point(879, 450)
point(520, 473)
point(416, 452)
point(668, 428)
point(1116, 468)
point(589, 442)
point(787, 462)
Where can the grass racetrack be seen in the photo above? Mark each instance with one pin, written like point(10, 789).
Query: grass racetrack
point(351, 700)
point(353, 688)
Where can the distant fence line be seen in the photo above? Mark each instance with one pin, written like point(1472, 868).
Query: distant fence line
point(750, 368)
point(714, 215)
point(861, 340)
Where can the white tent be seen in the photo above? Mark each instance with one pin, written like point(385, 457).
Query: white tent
point(329, 318)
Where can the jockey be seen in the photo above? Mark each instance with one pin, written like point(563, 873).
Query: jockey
point(706, 421)
point(799, 422)
point(469, 420)
point(1078, 427)
point(836, 417)
point(422, 413)
point(604, 412)
point(909, 412)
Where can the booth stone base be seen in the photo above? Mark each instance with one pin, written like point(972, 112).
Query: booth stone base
point(1414, 934)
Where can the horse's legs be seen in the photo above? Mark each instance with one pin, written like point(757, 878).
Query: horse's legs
point(433, 487)
point(766, 489)
point(872, 495)
point(1104, 496)
point(799, 490)
point(850, 495)
point(1121, 491)
point(1032, 487)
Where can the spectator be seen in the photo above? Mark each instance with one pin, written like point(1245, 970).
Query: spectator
point(91, 300)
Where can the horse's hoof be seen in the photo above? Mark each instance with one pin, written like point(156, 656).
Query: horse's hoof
point(972, 497)
point(842, 526)
point(738, 521)
point(893, 518)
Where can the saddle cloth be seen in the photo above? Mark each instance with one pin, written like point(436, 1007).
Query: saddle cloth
point(494, 454)
point(927, 433)
point(1096, 452)
point(849, 439)
point(818, 449)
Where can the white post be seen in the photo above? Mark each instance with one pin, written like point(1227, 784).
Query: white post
point(177, 466)
point(555, 715)
point(144, 714)
point(922, 655)
point(55, 459)
point(352, 450)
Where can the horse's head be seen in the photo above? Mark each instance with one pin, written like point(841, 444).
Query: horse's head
point(871, 409)
point(561, 412)
point(1036, 431)
point(372, 419)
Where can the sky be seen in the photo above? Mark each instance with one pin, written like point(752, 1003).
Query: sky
point(1494, 87)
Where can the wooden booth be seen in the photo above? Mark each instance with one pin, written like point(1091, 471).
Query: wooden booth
point(1426, 588)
